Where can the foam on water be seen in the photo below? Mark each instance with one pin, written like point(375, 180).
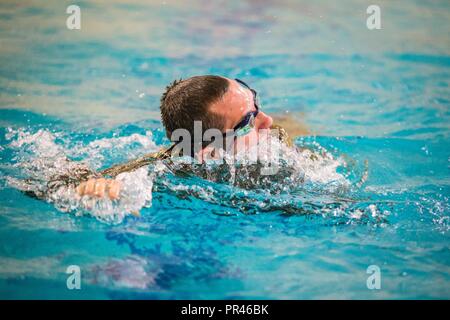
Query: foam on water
point(301, 174)
point(308, 180)
point(38, 158)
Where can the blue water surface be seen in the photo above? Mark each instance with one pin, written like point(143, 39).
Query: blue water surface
point(376, 95)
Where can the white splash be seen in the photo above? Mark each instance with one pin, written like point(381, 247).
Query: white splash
point(135, 194)
point(38, 157)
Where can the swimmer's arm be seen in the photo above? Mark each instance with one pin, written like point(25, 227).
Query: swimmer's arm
point(84, 180)
point(100, 188)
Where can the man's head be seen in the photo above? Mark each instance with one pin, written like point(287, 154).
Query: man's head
point(217, 102)
point(186, 101)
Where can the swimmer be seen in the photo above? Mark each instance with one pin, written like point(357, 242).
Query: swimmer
point(218, 102)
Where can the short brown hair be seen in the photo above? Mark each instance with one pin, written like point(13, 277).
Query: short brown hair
point(186, 101)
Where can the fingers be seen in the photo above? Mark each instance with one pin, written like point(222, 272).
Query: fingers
point(89, 187)
point(114, 189)
point(81, 187)
point(98, 188)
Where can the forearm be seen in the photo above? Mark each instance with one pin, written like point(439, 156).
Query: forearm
point(75, 174)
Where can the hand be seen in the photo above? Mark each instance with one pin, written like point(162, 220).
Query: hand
point(98, 188)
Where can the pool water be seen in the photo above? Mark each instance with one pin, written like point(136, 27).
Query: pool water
point(375, 102)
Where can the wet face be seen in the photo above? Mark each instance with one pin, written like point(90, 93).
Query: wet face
point(236, 103)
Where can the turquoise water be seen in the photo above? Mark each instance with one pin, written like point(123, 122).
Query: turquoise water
point(381, 96)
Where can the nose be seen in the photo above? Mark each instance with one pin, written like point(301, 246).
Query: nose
point(263, 121)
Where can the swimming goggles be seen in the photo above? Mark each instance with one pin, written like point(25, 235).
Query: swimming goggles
point(248, 122)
